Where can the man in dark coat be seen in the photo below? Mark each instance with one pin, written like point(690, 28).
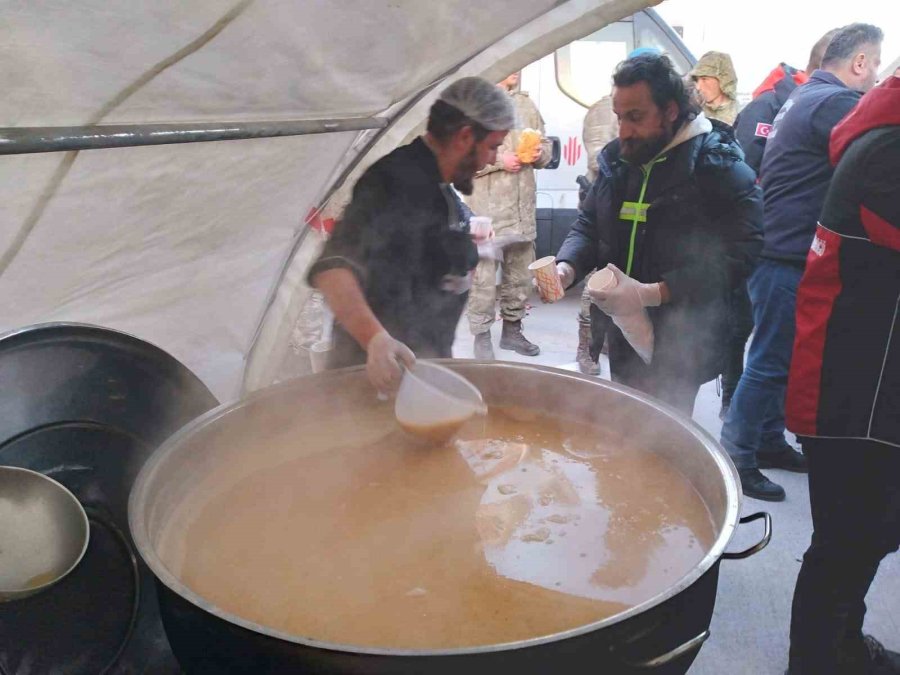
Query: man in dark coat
point(754, 122)
point(751, 129)
point(676, 214)
point(397, 269)
point(844, 393)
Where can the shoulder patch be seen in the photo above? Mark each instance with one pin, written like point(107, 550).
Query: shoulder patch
point(763, 130)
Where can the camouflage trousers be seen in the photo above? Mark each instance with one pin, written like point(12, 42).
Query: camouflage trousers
point(584, 314)
point(515, 287)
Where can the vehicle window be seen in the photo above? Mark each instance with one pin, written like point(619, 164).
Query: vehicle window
point(584, 67)
point(649, 34)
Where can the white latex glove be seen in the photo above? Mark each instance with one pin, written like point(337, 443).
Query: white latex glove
point(628, 296)
point(566, 274)
point(625, 304)
point(638, 330)
point(385, 361)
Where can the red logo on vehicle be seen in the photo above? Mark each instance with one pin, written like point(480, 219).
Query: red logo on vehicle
point(572, 150)
point(763, 130)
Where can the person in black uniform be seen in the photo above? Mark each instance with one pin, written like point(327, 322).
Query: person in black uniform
point(397, 268)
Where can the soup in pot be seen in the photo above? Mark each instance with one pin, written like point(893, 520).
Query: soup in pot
point(522, 526)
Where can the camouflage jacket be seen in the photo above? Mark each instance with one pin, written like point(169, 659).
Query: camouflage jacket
point(509, 198)
point(719, 66)
point(600, 127)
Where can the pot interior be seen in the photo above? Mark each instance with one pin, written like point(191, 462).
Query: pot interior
point(207, 479)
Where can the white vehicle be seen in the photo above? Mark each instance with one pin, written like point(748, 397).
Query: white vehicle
point(563, 85)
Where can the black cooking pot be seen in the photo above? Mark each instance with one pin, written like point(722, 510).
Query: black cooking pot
point(662, 634)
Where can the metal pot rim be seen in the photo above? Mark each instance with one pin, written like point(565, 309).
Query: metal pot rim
point(138, 497)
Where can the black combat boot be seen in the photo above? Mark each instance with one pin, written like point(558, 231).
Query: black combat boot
point(513, 340)
point(484, 350)
point(755, 484)
point(586, 364)
point(781, 455)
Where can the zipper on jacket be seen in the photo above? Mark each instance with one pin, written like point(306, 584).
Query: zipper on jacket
point(636, 212)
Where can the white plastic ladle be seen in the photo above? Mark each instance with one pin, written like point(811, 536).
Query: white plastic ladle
point(434, 402)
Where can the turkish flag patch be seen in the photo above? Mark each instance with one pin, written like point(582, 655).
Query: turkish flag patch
point(763, 130)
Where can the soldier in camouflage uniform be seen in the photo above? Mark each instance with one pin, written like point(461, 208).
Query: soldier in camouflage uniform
point(506, 192)
point(716, 82)
point(600, 127)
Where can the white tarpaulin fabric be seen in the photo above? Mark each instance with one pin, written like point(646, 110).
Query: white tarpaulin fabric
point(189, 246)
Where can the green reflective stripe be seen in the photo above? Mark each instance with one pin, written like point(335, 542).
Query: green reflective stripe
point(640, 212)
point(632, 210)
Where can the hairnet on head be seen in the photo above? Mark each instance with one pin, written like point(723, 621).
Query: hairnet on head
point(481, 101)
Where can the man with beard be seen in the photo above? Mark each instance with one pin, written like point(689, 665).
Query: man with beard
point(397, 268)
point(675, 214)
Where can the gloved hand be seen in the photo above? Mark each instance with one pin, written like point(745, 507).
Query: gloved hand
point(628, 296)
point(566, 274)
point(625, 304)
point(638, 330)
point(385, 361)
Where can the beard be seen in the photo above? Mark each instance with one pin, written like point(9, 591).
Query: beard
point(465, 173)
point(642, 150)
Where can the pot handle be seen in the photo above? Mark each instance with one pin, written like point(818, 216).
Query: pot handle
point(682, 649)
point(761, 544)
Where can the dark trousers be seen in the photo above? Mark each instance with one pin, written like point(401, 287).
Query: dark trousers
point(854, 495)
point(741, 324)
point(680, 393)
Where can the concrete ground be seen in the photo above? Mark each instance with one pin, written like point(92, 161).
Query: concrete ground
point(749, 632)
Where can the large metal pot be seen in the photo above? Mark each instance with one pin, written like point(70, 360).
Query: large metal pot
point(662, 633)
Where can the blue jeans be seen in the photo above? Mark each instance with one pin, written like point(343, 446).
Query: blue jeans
point(756, 415)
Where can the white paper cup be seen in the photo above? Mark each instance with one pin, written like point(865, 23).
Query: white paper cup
point(548, 283)
point(480, 227)
point(320, 356)
point(602, 280)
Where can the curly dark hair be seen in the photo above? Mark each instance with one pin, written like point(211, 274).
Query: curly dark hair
point(664, 81)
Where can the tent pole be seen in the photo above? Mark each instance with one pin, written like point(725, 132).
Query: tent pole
point(26, 140)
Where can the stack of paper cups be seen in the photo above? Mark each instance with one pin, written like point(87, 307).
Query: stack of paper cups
point(480, 227)
point(548, 283)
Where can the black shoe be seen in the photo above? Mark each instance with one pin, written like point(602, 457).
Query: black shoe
point(726, 404)
point(755, 484)
point(513, 340)
point(781, 455)
point(881, 661)
point(484, 350)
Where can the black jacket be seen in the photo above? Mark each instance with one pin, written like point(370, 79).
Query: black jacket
point(754, 122)
point(702, 236)
point(406, 237)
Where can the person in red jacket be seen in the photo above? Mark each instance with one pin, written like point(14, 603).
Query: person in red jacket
point(843, 398)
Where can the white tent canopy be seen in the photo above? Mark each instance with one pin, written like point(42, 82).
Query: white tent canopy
point(200, 248)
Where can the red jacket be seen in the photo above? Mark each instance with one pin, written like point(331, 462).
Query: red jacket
point(845, 372)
